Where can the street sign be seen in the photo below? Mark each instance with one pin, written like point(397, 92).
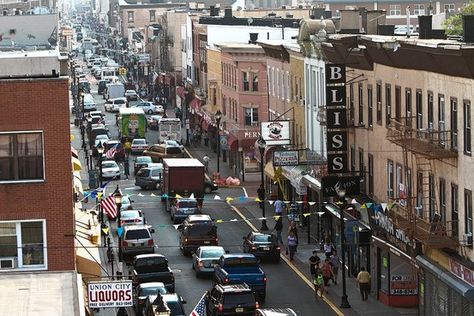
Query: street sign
point(110, 294)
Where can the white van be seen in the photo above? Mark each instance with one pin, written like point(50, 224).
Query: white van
point(89, 103)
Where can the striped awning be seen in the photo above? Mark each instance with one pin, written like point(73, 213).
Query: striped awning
point(76, 164)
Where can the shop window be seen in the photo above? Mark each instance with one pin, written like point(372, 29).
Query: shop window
point(21, 157)
point(22, 245)
point(454, 210)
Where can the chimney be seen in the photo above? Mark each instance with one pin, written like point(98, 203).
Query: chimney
point(425, 26)
point(228, 13)
point(253, 38)
point(468, 27)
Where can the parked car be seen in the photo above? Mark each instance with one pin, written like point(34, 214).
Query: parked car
point(205, 257)
point(183, 207)
point(149, 177)
point(262, 245)
point(139, 145)
point(132, 217)
point(115, 104)
point(131, 95)
point(150, 108)
point(137, 240)
point(143, 290)
point(102, 84)
point(89, 103)
point(173, 301)
point(141, 162)
point(110, 170)
point(195, 235)
point(275, 312)
point(236, 299)
point(168, 149)
point(152, 268)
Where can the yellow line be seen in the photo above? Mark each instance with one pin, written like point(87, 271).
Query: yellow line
point(291, 265)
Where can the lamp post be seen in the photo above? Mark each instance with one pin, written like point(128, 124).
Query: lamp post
point(218, 117)
point(261, 147)
point(100, 151)
point(118, 201)
point(342, 198)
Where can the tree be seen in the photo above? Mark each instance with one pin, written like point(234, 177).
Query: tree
point(453, 24)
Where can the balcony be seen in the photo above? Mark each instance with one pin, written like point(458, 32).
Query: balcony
point(430, 143)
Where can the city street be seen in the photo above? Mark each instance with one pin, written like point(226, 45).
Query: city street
point(282, 284)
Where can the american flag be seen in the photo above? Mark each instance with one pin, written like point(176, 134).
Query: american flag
point(111, 152)
point(109, 207)
point(200, 308)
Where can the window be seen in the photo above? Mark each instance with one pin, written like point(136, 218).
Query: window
point(431, 195)
point(408, 118)
point(370, 107)
point(371, 174)
point(351, 103)
point(398, 103)
point(419, 109)
point(467, 127)
point(442, 199)
point(361, 169)
point(409, 184)
point(419, 9)
point(378, 97)
point(24, 242)
point(273, 81)
point(449, 7)
point(21, 156)
point(430, 111)
point(468, 211)
point(246, 84)
point(353, 158)
point(454, 210)
point(454, 123)
point(441, 120)
point(277, 80)
point(419, 194)
point(398, 179)
point(152, 16)
point(390, 179)
point(255, 83)
point(361, 104)
point(388, 104)
point(130, 16)
point(395, 10)
point(251, 116)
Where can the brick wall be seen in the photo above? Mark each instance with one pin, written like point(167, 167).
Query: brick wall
point(42, 104)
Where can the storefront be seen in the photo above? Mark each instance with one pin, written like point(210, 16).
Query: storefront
point(395, 272)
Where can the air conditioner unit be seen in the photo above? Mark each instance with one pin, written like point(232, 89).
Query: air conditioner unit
point(468, 239)
point(7, 263)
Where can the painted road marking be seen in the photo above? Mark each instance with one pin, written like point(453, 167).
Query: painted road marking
point(245, 192)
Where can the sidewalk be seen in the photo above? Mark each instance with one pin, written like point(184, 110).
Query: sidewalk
point(300, 262)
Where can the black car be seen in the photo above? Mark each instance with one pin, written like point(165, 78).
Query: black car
point(195, 235)
point(262, 245)
point(235, 299)
point(102, 86)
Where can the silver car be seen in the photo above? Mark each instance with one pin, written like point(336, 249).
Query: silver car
point(205, 257)
point(137, 240)
point(132, 217)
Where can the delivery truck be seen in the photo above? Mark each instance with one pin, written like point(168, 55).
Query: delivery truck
point(132, 123)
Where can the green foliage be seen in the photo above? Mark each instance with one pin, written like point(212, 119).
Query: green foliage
point(453, 25)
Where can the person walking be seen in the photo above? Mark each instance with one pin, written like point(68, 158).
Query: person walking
point(314, 261)
point(328, 247)
point(293, 228)
point(126, 168)
point(292, 245)
point(127, 146)
point(327, 272)
point(279, 207)
point(261, 196)
point(205, 160)
point(278, 229)
point(335, 266)
point(363, 278)
point(318, 282)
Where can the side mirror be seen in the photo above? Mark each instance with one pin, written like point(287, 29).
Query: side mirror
point(180, 226)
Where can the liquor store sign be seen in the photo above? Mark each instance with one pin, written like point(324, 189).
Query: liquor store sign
point(110, 294)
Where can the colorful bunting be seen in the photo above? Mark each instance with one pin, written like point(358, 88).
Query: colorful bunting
point(140, 195)
point(242, 198)
point(178, 196)
point(219, 221)
point(258, 200)
point(105, 230)
point(229, 199)
point(119, 231)
point(192, 196)
point(306, 214)
point(217, 197)
point(270, 202)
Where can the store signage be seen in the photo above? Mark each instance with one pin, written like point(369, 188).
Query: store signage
point(110, 294)
point(276, 132)
point(286, 158)
point(394, 233)
point(403, 285)
point(461, 271)
point(336, 144)
point(331, 185)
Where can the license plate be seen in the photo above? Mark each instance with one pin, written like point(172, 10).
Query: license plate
point(207, 242)
point(266, 248)
point(239, 310)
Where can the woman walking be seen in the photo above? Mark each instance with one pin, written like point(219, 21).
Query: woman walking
point(292, 244)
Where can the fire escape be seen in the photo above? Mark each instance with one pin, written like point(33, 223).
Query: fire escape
point(419, 215)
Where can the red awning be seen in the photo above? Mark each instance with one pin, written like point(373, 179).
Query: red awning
point(74, 152)
point(232, 142)
point(247, 142)
point(180, 92)
point(195, 104)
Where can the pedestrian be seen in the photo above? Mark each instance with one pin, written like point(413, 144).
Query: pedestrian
point(327, 271)
point(278, 229)
point(126, 168)
point(363, 278)
point(292, 228)
point(318, 282)
point(205, 161)
point(279, 207)
point(335, 266)
point(314, 261)
point(261, 196)
point(292, 244)
point(328, 248)
point(190, 139)
point(206, 139)
point(127, 146)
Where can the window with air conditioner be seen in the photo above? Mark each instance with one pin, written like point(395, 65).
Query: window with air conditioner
point(22, 244)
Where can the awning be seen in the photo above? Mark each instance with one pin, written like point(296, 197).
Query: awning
point(247, 142)
point(195, 104)
point(77, 182)
point(295, 175)
point(269, 170)
point(87, 253)
point(180, 92)
point(74, 152)
point(311, 182)
point(232, 142)
point(76, 164)
point(443, 275)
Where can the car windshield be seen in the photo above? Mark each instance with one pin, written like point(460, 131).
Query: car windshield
point(130, 214)
point(175, 307)
point(137, 234)
point(102, 137)
point(172, 143)
point(201, 230)
point(212, 253)
point(173, 150)
point(152, 290)
point(152, 264)
point(187, 204)
point(241, 261)
point(156, 172)
point(109, 164)
point(144, 159)
point(234, 299)
point(143, 173)
point(263, 238)
point(138, 142)
point(120, 101)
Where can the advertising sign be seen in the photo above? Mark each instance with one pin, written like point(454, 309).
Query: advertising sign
point(285, 158)
point(331, 185)
point(461, 271)
point(276, 133)
point(110, 294)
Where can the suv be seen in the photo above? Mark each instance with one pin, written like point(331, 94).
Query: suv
point(149, 177)
point(235, 299)
point(115, 104)
point(137, 240)
point(195, 235)
point(181, 208)
point(167, 149)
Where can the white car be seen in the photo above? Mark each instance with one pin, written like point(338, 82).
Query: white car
point(131, 95)
point(110, 170)
point(132, 217)
point(150, 107)
point(139, 145)
point(89, 103)
point(115, 104)
point(101, 139)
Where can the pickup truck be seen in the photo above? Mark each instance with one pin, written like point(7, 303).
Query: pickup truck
point(241, 268)
point(152, 268)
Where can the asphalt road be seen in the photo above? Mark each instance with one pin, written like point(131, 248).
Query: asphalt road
point(284, 287)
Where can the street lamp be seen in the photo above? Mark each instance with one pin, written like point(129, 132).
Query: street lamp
point(261, 147)
point(118, 201)
point(342, 198)
point(218, 117)
point(100, 151)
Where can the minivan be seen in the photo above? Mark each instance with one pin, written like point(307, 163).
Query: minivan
point(196, 235)
point(149, 178)
point(167, 149)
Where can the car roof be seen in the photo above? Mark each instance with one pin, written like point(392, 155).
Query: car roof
point(135, 227)
point(260, 234)
point(234, 287)
point(277, 311)
point(151, 284)
point(171, 297)
point(149, 255)
point(198, 217)
point(211, 247)
point(130, 211)
point(186, 200)
point(140, 139)
point(239, 255)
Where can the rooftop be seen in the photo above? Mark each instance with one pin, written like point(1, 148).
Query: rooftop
point(25, 64)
